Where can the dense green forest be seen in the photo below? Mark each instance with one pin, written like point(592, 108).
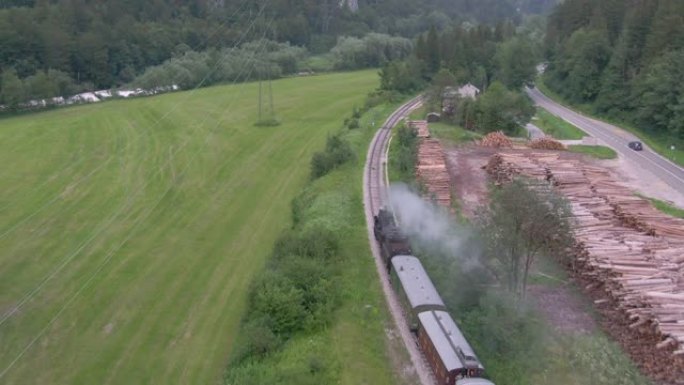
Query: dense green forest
point(58, 47)
point(625, 58)
point(498, 60)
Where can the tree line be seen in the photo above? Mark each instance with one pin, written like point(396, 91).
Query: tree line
point(497, 59)
point(622, 57)
point(71, 45)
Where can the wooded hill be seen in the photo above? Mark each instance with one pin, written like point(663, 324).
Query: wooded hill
point(67, 45)
point(624, 57)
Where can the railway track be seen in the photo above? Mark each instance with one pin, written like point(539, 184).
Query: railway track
point(375, 193)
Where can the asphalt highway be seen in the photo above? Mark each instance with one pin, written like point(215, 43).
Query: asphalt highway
point(616, 138)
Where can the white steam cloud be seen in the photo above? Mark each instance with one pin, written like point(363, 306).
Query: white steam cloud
point(431, 226)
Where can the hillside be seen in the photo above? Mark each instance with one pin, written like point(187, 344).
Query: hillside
point(623, 59)
point(62, 47)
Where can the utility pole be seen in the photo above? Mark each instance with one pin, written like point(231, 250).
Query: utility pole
point(267, 116)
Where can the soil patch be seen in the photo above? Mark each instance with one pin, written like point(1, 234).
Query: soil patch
point(563, 309)
point(468, 179)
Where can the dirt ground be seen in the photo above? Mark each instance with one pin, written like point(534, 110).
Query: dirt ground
point(469, 180)
point(564, 309)
point(561, 305)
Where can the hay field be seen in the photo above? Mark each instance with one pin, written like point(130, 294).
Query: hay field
point(130, 230)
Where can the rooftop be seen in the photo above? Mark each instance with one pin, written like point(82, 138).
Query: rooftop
point(438, 324)
point(415, 282)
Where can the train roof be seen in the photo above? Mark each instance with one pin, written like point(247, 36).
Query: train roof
point(416, 283)
point(474, 381)
point(448, 340)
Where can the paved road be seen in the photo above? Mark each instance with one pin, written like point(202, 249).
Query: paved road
point(533, 131)
point(617, 139)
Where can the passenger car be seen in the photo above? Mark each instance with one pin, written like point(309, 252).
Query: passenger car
point(635, 145)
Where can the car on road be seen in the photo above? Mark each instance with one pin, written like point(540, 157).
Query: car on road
point(636, 146)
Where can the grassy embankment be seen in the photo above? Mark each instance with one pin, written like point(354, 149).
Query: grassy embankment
point(665, 207)
point(555, 126)
point(598, 152)
point(130, 232)
point(352, 348)
point(518, 345)
point(659, 143)
point(560, 129)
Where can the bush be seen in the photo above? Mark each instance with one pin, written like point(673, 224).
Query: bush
point(315, 243)
point(352, 123)
point(259, 340)
point(509, 334)
point(278, 303)
point(337, 152)
point(299, 205)
point(408, 149)
point(315, 279)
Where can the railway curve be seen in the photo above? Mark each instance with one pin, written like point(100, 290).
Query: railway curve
point(375, 196)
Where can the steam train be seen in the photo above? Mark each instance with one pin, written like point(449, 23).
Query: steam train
point(448, 353)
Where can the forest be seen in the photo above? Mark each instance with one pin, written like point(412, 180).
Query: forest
point(57, 47)
point(623, 58)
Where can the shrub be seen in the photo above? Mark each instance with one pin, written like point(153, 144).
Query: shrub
point(299, 204)
point(408, 149)
point(352, 123)
point(337, 152)
point(315, 243)
point(258, 339)
point(278, 303)
point(509, 334)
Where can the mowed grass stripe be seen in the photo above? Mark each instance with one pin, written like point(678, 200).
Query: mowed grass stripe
point(166, 307)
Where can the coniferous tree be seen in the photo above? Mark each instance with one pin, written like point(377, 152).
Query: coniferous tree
point(432, 48)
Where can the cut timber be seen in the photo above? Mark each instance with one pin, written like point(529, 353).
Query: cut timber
point(432, 172)
point(420, 127)
point(627, 254)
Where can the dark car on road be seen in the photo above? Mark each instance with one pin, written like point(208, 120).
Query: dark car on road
point(636, 146)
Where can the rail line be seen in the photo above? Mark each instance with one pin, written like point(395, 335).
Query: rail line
point(376, 195)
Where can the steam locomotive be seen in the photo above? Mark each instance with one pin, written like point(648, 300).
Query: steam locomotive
point(448, 353)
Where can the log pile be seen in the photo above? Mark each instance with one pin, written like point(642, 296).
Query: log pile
point(547, 143)
point(495, 140)
point(628, 253)
point(432, 172)
point(420, 127)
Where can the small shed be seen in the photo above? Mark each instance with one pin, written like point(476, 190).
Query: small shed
point(452, 94)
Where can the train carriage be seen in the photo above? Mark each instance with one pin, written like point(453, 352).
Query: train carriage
point(449, 354)
point(415, 288)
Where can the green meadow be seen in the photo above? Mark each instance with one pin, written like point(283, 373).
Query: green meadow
point(130, 230)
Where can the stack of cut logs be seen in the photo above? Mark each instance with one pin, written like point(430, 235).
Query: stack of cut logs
point(496, 140)
point(431, 169)
point(630, 255)
point(547, 143)
point(420, 127)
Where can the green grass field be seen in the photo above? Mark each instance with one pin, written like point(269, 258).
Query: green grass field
point(452, 134)
point(130, 230)
point(599, 152)
point(555, 126)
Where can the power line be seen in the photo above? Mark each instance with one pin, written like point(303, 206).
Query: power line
point(100, 229)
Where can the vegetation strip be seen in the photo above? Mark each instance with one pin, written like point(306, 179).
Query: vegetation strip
point(313, 309)
point(556, 127)
point(599, 152)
